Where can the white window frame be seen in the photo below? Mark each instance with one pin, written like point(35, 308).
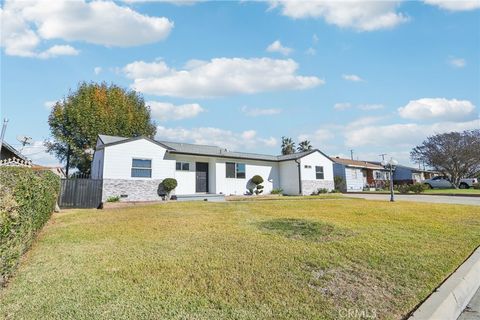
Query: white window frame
point(141, 168)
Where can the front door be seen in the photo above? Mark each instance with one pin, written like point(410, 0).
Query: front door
point(201, 174)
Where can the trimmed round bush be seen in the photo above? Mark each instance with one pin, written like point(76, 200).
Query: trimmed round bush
point(257, 179)
point(169, 184)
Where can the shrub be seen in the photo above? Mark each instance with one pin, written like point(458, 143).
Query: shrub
point(257, 181)
point(168, 185)
point(277, 191)
point(320, 191)
point(113, 199)
point(27, 200)
point(476, 186)
point(403, 188)
point(339, 184)
point(417, 187)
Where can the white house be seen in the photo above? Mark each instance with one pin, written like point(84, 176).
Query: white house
point(133, 168)
point(357, 175)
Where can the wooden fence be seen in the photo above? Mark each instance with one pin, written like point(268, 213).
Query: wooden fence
point(80, 193)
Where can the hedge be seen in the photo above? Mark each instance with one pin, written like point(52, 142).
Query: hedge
point(27, 200)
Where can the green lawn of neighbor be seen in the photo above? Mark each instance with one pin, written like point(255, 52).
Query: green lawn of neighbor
point(284, 259)
point(453, 191)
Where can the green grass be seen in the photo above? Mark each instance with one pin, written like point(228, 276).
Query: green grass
point(284, 259)
point(453, 191)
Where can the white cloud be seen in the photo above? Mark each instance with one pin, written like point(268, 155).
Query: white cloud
point(457, 62)
point(164, 111)
point(352, 77)
point(438, 109)
point(37, 152)
point(218, 77)
point(27, 24)
point(97, 70)
point(175, 2)
point(400, 135)
point(368, 107)
point(141, 69)
point(49, 104)
point(318, 138)
point(358, 15)
point(58, 50)
point(277, 46)
point(342, 106)
point(315, 38)
point(311, 51)
point(455, 5)
point(214, 136)
point(256, 112)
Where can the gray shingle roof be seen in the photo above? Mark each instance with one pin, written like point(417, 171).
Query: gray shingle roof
point(205, 150)
point(13, 150)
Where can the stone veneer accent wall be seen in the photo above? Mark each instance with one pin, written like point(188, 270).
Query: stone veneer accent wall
point(309, 186)
point(136, 190)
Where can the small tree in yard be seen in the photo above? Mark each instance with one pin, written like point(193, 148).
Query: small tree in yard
point(169, 184)
point(288, 146)
point(454, 154)
point(257, 181)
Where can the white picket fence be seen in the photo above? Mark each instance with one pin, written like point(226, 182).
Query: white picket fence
point(15, 162)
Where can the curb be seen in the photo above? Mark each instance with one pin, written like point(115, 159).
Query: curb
point(450, 299)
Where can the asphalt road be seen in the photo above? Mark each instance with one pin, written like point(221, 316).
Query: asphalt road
point(420, 198)
point(472, 311)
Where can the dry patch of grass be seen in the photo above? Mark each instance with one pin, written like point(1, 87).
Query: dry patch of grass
point(283, 259)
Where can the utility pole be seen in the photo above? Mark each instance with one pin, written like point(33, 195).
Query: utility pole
point(68, 161)
point(2, 135)
point(351, 154)
point(382, 155)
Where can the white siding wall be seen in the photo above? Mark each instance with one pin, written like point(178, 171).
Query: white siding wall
point(118, 160)
point(354, 179)
point(97, 165)
point(187, 179)
point(267, 170)
point(289, 177)
point(316, 159)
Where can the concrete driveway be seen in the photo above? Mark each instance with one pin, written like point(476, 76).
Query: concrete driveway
point(419, 198)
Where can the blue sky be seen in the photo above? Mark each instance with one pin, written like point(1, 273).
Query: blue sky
point(376, 77)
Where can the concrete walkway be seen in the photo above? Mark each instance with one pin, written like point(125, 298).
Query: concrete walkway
point(419, 198)
point(472, 311)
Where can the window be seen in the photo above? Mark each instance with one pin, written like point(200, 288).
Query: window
point(378, 175)
point(240, 170)
point(182, 166)
point(235, 170)
point(141, 168)
point(319, 172)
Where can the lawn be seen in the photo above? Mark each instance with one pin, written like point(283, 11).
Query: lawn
point(453, 191)
point(284, 259)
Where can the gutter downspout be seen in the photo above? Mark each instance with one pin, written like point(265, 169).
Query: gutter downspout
point(299, 176)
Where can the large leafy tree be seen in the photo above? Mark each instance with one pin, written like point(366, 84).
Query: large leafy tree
point(455, 154)
point(288, 146)
point(93, 109)
point(304, 146)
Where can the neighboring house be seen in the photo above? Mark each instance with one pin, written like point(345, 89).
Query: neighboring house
point(9, 152)
point(358, 175)
point(134, 167)
point(408, 175)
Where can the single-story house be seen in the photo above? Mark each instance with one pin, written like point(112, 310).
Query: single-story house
point(133, 168)
point(358, 175)
point(9, 152)
point(408, 175)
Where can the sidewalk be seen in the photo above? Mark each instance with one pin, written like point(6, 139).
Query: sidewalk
point(418, 198)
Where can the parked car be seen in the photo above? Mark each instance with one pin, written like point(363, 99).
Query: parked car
point(441, 182)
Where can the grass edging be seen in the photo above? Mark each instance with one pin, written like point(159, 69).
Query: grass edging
point(421, 194)
point(452, 296)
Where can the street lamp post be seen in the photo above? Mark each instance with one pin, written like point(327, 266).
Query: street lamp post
point(390, 165)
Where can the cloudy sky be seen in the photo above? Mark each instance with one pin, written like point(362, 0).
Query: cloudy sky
point(376, 77)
